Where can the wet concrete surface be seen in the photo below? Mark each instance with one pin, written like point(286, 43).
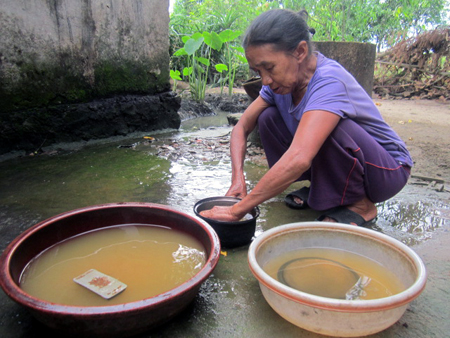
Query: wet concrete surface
point(178, 169)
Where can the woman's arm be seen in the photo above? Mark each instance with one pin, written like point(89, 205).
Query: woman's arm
point(238, 146)
point(314, 128)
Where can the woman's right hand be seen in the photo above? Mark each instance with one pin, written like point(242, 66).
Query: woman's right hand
point(238, 146)
point(237, 190)
point(238, 187)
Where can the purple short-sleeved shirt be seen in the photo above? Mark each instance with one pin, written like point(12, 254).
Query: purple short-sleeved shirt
point(334, 89)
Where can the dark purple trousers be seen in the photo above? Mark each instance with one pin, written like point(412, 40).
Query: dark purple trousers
point(350, 165)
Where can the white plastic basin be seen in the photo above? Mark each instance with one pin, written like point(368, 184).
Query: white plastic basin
point(328, 316)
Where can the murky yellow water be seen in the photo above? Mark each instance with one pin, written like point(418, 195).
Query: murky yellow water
point(149, 259)
point(334, 273)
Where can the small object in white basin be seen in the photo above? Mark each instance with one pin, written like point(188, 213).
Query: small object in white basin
point(103, 285)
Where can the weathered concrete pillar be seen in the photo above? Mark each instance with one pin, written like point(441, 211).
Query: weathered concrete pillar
point(358, 58)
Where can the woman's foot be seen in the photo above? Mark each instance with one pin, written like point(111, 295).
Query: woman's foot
point(365, 208)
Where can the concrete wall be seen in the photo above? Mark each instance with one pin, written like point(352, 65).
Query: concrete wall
point(55, 51)
point(74, 70)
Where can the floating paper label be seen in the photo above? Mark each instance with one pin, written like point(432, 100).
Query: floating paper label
point(103, 285)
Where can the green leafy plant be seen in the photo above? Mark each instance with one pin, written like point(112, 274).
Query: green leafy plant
point(220, 67)
point(197, 49)
point(378, 21)
point(234, 55)
point(176, 76)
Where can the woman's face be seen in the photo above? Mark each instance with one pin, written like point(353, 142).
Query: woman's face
point(278, 69)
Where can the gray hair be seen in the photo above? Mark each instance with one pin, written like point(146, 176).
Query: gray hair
point(282, 28)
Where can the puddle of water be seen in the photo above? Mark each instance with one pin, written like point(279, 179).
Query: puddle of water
point(205, 122)
point(100, 174)
point(412, 222)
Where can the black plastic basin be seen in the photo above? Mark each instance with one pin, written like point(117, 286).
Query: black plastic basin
point(231, 234)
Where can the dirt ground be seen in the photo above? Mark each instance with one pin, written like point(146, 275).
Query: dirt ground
point(425, 127)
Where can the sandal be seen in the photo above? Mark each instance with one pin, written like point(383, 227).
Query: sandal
point(302, 193)
point(344, 215)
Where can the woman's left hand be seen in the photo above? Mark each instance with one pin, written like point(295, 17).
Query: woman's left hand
point(220, 213)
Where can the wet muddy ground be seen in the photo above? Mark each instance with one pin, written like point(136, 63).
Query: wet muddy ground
point(178, 168)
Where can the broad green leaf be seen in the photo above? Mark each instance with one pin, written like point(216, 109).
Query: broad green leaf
point(213, 40)
point(196, 35)
point(207, 37)
point(187, 71)
point(202, 60)
point(192, 45)
point(220, 67)
point(175, 74)
point(229, 35)
point(180, 52)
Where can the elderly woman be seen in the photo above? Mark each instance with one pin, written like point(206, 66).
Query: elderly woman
point(316, 123)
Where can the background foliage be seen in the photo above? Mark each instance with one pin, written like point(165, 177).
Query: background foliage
point(382, 22)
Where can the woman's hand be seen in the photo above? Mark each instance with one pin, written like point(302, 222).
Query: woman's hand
point(238, 189)
point(221, 213)
point(238, 146)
